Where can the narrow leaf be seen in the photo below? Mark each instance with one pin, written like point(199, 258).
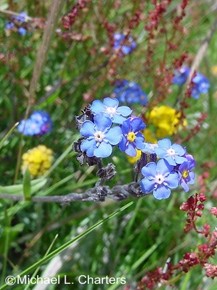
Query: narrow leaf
point(27, 185)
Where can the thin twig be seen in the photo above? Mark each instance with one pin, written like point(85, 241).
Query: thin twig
point(12, 13)
point(100, 193)
point(39, 63)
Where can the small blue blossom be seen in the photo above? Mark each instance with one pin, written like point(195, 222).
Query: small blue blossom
point(186, 175)
point(200, 83)
point(191, 160)
point(22, 31)
point(181, 75)
point(201, 86)
point(39, 123)
point(132, 137)
point(173, 154)
point(99, 136)
point(130, 93)
point(9, 25)
point(28, 128)
point(109, 107)
point(124, 43)
point(159, 178)
point(21, 17)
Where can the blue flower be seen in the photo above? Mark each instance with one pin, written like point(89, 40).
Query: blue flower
point(159, 178)
point(132, 138)
point(21, 17)
point(191, 160)
point(124, 43)
point(9, 25)
point(200, 83)
point(38, 123)
point(181, 75)
point(99, 136)
point(28, 128)
point(186, 175)
point(201, 86)
point(109, 107)
point(22, 31)
point(130, 93)
point(173, 154)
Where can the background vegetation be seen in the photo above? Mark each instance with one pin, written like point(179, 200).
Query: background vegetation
point(79, 67)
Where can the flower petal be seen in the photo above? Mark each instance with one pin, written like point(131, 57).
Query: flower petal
point(160, 152)
point(110, 102)
point(88, 146)
point(178, 149)
point(87, 129)
point(170, 160)
point(164, 143)
point(149, 170)
point(118, 119)
point(124, 111)
point(162, 192)
point(172, 180)
point(104, 150)
point(180, 159)
point(102, 122)
point(114, 135)
point(97, 107)
point(140, 143)
point(126, 126)
point(137, 124)
point(184, 185)
point(147, 185)
point(122, 144)
point(163, 167)
point(130, 150)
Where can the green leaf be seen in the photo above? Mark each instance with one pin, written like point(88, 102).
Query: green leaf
point(36, 184)
point(27, 185)
point(7, 135)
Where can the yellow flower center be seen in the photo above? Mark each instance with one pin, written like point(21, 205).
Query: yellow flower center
point(131, 136)
point(185, 174)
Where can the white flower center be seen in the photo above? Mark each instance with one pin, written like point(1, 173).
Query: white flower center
point(110, 110)
point(99, 136)
point(159, 179)
point(153, 146)
point(171, 152)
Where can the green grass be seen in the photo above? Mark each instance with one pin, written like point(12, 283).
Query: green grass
point(117, 239)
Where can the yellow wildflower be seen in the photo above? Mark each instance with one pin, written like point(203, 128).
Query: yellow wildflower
point(165, 119)
point(214, 70)
point(135, 158)
point(149, 136)
point(37, 160)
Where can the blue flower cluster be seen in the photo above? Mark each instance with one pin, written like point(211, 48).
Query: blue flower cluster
point(173, 168)
point(201, 84)
point(109, 124)
point(129, 93)
point(17, 23)
point(39, 123)
point(123, 43)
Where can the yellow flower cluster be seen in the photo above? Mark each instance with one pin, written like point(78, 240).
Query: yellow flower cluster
point(214, 70)
point(165, 120)
point(37, 160)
